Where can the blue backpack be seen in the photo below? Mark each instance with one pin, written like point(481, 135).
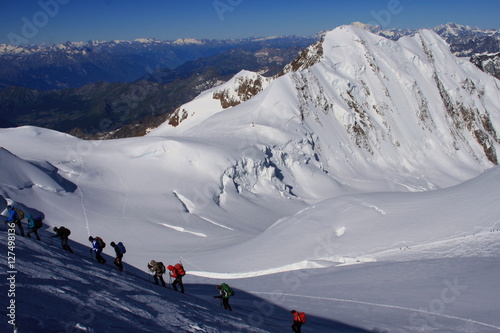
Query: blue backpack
point(121, 247)
point(38, 222)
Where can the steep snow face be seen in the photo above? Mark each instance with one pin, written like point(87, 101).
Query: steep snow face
point(408, 103)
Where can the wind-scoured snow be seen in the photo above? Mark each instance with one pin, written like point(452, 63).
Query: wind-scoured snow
point(360, 187)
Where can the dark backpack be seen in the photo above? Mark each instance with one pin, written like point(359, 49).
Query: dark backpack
point(64, 231)
point(38, 222)
point(121, 247)
point(227, 289)
point(19, 213)
point(100, 243)
point(180, 269)
point(162, 267)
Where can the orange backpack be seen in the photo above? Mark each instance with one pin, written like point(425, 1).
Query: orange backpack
point(302, 317)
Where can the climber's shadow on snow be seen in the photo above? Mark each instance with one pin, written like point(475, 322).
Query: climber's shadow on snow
point(260, 313)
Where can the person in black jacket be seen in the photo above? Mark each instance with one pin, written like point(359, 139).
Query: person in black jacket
point(119, 256)
point(63, 233)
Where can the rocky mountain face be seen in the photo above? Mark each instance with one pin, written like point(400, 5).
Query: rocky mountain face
point(488, 63)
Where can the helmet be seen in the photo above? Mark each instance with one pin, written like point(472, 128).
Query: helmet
point(55, 229)
point(218, 287)
point(91, 238)
point(113, 244)
point(153, 262)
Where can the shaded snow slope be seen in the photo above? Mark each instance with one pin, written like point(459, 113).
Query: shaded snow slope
point(60, 292)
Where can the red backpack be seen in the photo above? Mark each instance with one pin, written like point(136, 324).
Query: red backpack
point(180, 269)
point(302, 317)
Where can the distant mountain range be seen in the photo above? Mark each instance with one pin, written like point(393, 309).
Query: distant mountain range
point(72, 65)
point(122, 88)
point(464, 41)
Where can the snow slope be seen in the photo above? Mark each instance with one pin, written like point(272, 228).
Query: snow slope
point(369, 152)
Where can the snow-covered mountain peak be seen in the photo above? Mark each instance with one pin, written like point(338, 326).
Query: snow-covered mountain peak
point(454, 29)
point(364, 102)
point(187, 41)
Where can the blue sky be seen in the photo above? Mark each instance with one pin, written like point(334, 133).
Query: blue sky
point(36, 21)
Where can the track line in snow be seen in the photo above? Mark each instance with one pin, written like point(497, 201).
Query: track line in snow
point(181, 229)
point(215, 223)
point(382, 306)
